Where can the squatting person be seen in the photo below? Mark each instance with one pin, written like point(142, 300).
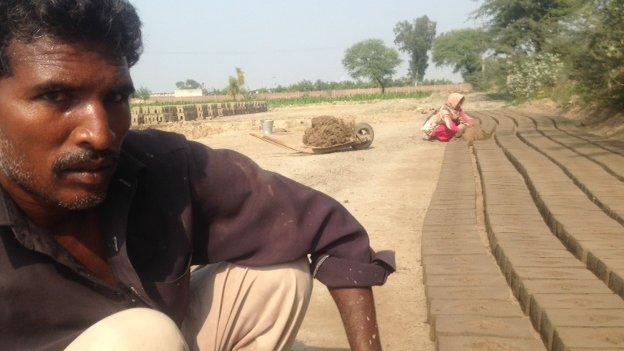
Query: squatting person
point(100, 225)
point(449, 122)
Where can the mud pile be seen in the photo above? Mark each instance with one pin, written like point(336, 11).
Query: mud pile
point(328, 131)
point(474, 133)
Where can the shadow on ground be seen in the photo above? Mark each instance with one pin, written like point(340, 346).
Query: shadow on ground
point(299, 346)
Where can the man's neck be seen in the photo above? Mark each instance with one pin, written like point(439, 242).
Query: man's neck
point(78, 232)
point(41, 213)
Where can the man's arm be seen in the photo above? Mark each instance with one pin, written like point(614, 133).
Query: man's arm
point(255, 218)
point(357, 310)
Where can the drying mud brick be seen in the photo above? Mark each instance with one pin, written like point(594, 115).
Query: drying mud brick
point(565, 193)
point(468, 325)
point(466, 280)
point(328, 131)
point(469, 303)
point(489, 343)
point(474, 133)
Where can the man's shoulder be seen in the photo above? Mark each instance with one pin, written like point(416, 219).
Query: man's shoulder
point(150, 143)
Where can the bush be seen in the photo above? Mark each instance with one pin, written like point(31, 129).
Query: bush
point(534, 76)
point(599, 67)
point(564, 92)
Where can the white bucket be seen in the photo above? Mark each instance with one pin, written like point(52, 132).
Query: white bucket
point(267, 127)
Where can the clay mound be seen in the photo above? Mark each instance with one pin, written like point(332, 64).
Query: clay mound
point(328, 131)
point(321, 120)
point(474, 133)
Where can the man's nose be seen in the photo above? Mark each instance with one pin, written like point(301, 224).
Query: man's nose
point(94, 130)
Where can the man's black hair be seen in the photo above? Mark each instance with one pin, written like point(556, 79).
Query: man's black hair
point(113, 23)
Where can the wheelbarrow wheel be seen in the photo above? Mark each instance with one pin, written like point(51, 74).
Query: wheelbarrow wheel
point(364, 133)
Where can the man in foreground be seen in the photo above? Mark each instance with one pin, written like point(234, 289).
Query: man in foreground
point(99, 226)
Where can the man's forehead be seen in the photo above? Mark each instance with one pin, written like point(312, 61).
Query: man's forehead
point(51, 54)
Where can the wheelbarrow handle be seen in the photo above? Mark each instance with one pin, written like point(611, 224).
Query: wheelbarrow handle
point(279, 143)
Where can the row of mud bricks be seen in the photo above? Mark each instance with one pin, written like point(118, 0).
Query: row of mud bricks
point(154, 114)
point(470, 307)
point(553, 207)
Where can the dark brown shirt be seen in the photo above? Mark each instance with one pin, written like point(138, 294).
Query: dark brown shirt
point(172, 204)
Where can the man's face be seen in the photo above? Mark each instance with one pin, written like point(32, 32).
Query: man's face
point(63, 115)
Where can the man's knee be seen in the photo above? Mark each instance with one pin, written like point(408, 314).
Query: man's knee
point(289, 278)
point(135, 329)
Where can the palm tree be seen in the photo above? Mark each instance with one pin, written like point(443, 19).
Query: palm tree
point(236, 84)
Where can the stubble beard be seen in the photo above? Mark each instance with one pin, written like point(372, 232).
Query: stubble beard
point(15, 168)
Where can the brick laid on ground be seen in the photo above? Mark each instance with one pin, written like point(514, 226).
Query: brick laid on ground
point(487, 124)
point(551, 285)
point(470, 306)
point(567, 126)
point(610, 161)
point(595, 238)
point(606, 190)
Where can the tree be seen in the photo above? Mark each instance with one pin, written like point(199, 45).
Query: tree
point(464, 50)
point(233, 88)
point(556, 48)
point(599, 67)
point(521, 26)
point(236, 84)
point(188, 84)
point(240, 76)
point(142, 93)
point(371, 59)
point(415, 39)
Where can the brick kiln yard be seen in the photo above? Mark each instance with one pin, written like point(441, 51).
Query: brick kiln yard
point(387, 187)
point(564, 272)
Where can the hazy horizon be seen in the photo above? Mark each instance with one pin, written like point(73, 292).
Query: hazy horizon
point(275, 42)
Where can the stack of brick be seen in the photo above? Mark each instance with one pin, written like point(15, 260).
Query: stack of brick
point(147, 114)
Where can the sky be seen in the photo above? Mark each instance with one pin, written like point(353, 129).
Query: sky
point(275, 42)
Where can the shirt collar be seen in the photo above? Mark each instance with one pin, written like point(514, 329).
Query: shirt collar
point(7, 209)
point(127, 168)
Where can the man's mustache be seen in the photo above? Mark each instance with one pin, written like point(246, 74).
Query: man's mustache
point(77, 159)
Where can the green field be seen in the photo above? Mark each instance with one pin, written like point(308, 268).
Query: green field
point(305, 100)
point(308, 100)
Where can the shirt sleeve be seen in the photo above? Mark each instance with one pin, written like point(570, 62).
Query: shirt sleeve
point(450, 124)
point(250, 216)
point(463, 116)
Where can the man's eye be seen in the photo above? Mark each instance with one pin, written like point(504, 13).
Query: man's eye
point(118, 98)
point(56, 97)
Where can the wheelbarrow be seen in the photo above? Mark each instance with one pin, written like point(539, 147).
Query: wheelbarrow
point(362, 138)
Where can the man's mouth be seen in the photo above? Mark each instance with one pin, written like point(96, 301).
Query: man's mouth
point(95, 172)
point(91, 166)
point(87, 167)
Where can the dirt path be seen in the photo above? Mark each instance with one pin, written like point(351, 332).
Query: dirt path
point(387, 188)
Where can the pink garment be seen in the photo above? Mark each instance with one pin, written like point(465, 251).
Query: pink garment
point(444, 125)
point(465, 119)
point(443, 133)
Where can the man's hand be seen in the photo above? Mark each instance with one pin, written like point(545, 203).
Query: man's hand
point(357, 309)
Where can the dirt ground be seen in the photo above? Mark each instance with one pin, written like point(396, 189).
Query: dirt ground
point(387, 188)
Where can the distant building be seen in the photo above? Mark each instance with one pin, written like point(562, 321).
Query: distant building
point(161, 95)
point(187, 92)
